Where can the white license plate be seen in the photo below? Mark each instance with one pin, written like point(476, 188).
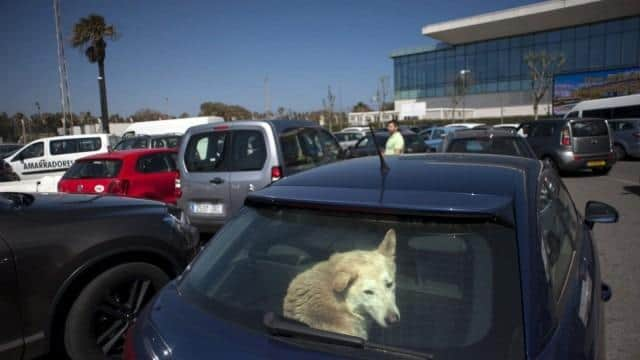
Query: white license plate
point(207, 208)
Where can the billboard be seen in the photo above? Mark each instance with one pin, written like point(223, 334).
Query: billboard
point(569, 89)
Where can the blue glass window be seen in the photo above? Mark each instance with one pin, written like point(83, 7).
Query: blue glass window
point(630, 48)
point(582, 54)
point(613, 49)
point(596, 52)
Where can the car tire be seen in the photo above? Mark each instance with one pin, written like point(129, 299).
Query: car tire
point(106, 308)
point(621, 154)
point(602, 171)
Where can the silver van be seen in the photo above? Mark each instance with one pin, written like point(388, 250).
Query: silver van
point(220, 163)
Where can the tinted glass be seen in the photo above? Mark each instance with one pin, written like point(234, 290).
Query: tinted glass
point(93, 169)
point(454, 284)
point(626, 112)
point(304, 148)
point(155, 163)
point(34, 150)
point(541, 130)
point(170, 142)
point(70, 146)
point(205, 152)
point(589, 128)
point(249, 151)
point(133, 143)
point(500, 146)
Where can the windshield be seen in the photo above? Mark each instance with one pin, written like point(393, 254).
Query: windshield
point(93, 169)
point(450, 288)
point(586, 128)
point(500, 146)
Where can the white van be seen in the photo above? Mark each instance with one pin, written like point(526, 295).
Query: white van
point(169, 126)
point(619, 107)
point(54, 155)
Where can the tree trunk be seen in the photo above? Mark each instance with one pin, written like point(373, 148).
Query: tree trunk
point(103, 97)
point(535, 110)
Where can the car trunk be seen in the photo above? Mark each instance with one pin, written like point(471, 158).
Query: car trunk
point(85, 186)
point(93, 176)
point(590, 137)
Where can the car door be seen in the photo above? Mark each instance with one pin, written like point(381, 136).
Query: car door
point(28, 162)
point(248, 164)
point(156, 175)
point(11, 337)
point(204, 176)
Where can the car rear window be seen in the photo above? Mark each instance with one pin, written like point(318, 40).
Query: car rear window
point(94, 169)
point(305, 148)
point(588, 128)
point(500, 146)
point(205, 152)
point(456, 285)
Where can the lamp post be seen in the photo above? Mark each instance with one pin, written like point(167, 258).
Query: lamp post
point(463, 74)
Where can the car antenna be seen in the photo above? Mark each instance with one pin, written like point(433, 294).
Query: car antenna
point(384, 168)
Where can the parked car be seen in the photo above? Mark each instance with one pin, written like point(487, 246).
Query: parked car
point(490, 141)
point(347, 139)
point(493, 263)
point(77, 269)
point(466, 125)
point(171, 141)
point(626, 137)
point(413, 143)
point(173, 126)
point(8, 149)
point(219, 165)
point(434, 136)
point(54, 155)
point(143, 173)
point(571, 144)
point(616, 107)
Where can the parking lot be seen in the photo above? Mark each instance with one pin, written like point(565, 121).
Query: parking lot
point(619, 248)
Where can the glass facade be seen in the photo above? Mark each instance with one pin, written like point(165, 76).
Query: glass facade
point(498, 65)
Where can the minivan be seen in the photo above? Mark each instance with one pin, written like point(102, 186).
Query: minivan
point(619, 107)
point(571, 144)
point(220, 164)
point(54, 155)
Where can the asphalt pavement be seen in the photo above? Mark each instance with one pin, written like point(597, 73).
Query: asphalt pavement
point(619, 248)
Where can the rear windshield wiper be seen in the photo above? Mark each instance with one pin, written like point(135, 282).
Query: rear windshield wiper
point(282, 327)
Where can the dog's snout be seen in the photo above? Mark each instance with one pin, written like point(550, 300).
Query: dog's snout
point(392, 317)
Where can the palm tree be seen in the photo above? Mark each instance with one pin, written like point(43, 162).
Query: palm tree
point(89, 34)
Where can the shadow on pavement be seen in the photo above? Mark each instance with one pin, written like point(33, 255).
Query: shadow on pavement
point(634, 189)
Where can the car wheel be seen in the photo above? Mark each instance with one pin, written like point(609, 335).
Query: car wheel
point(619, 151)
point(602, 171)
point(107, 307)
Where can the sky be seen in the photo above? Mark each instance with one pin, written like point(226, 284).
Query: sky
point(174, 55)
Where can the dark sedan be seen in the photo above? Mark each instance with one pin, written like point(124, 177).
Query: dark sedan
point(488, 141)
point(413, 143)
point(76, 269)
point(436, 256)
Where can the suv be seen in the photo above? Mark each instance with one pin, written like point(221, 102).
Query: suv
point(571, 144)
point(220, 164)
point(626, 137)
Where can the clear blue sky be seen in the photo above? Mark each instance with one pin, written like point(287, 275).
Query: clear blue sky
point(195, 51)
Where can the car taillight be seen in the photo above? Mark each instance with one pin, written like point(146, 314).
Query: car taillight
point(118, 187)
point(178, 187)
point(566, 137)
point(276, 173)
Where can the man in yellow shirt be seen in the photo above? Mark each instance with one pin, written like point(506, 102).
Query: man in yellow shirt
point(395, 143)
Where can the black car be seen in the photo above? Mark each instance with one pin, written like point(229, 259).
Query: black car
point(488, 141)
point(413, 143)
point(76, 269)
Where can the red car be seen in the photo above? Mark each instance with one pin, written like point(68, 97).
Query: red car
point(140, 173)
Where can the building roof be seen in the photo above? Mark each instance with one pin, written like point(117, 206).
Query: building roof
point(546, 15)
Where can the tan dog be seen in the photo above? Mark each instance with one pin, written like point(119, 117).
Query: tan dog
point(343, 294)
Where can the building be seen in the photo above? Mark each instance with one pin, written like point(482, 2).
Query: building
point(364, 118)
point(599, 40)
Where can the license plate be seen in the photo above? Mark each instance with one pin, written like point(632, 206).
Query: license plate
point(596, 163)
point(207, 208)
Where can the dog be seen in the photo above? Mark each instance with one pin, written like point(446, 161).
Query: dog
point(347, 292)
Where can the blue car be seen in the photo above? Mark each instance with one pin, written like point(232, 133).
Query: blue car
point(436, 256)
point(433, 137)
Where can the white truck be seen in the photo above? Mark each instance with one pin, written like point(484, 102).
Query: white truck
point(169, 126)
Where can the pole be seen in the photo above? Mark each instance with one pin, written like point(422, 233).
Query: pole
point(103, 98)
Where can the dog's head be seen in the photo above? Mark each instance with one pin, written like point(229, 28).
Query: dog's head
point(368, 282)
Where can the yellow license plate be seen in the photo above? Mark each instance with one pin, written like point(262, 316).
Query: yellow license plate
point(596, 163)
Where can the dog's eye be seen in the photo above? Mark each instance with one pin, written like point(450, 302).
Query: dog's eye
point(368, 292)
point(389, 285)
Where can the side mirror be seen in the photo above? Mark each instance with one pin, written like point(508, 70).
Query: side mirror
point(599, 212)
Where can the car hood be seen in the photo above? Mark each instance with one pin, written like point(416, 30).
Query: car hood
point(192, 333)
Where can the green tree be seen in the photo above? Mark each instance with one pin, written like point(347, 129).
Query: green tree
point(148, 115)
point(361, 107)
point(228, 112)
point(184, 115)
point(90, 34)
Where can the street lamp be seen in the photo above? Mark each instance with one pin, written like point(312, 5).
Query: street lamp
point(463, 74)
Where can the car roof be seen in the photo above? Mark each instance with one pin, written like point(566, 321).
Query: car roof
point(483, 133)
point(118, 155)
point(460, 184)
point(279, 125)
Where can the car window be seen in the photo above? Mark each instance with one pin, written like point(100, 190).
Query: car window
point(587, 128)
point(93, 169)
point(597, 113)
point(453, 283)
point(363, 143)
point(205, 152)
point(624, 112)
point(558, 227)
point(304, 148)
point(249, 152)
point(500, 146)
point(573, 114)
point(132, 143)
point(70, 146)
point(166, 142)
point(621, 125)
point(437, 133)
point(32, 151)
point(542, 130)
point(155, 163)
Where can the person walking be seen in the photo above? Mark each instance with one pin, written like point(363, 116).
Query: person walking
point(395, 142)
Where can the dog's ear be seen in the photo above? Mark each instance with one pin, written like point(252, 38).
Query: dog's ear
point(342, 280)
point(388, 245)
